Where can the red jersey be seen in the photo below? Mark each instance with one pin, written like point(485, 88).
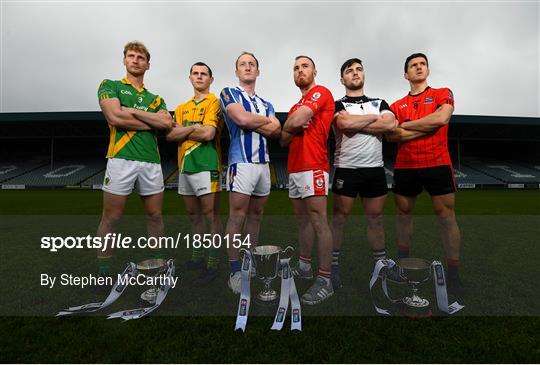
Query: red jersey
point(429, 150)
point(309, 149)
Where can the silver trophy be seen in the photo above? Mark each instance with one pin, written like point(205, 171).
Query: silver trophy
point(152, 268)
point(267, 266)
point(415, 271)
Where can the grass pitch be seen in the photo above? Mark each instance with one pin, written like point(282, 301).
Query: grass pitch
point(499, 324)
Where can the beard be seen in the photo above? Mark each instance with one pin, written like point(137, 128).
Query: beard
point(354, 87)
point(303, 82)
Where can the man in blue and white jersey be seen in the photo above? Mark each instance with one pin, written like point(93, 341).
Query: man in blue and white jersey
point(250, 120)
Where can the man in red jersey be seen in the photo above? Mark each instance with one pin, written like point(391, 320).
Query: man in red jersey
point(306, 132)
point(423, 161)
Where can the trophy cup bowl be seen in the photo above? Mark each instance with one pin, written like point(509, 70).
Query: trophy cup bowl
point(152, 268)
point(415, 271)
point(266, 261)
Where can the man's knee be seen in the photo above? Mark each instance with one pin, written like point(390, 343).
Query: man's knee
point(374, 219)
point(154, 216)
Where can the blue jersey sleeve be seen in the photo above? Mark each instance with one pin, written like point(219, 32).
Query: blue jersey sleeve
point(228, 96)
point(270, 109)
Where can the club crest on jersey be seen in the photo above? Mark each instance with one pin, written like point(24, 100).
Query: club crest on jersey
point(316, 96)
point(375, 103)
point(225, 96)
point(428, 100)
point(319, 182)
point(339, 184)
point(107, 180)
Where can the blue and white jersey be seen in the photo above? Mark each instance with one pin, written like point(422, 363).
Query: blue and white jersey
point(246, 144)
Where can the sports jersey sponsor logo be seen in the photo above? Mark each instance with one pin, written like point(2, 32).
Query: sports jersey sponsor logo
point(403, 106)
point(429, 100)
point(202, 189)
point(140, 107)
point(125, 92)
point(316, 96)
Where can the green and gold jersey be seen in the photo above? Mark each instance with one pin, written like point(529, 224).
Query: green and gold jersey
point(126, 144)
point(194, 156)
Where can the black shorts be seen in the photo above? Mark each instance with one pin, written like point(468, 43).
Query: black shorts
point(368, 182)
point(438, 180)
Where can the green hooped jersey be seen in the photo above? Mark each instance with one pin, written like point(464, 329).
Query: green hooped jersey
point(126, 144)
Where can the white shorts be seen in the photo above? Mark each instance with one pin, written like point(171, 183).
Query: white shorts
point(308, 183)
point(199, 183)
point(249, 178)
point(122, 176)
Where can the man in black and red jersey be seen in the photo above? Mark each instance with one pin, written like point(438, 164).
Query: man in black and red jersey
point(423, 161)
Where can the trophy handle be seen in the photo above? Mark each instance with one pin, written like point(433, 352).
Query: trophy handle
point(288, 248)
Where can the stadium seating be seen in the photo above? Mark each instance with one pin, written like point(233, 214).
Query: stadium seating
point(89, 173)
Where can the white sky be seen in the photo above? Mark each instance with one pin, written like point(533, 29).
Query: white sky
point(54, 54)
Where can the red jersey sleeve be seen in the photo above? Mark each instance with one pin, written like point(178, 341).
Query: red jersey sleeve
point(444, 96)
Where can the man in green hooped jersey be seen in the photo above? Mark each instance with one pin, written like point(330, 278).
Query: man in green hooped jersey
point(134, 116)
point(197, 127)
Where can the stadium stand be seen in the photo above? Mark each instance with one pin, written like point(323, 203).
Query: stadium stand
point(12, 169)
point(505, 151)
point(508, 172)
point(62, 174)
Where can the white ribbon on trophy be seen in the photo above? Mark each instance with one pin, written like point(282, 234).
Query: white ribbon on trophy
point(245, 294)
point(439, 282)
point(288, 291)
point(116, 292)
point(162, 293)
point(440, 290)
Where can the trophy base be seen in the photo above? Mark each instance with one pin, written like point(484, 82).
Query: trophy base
point(415, 308)
point(267, 296)
point(150, 296)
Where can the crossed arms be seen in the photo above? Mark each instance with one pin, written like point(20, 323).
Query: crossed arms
point(410, 130)
point(134, 119)
point(369, 123)
point(267, 126)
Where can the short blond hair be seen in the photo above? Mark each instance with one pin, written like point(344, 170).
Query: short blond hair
point(249, 54)
point(137, 47)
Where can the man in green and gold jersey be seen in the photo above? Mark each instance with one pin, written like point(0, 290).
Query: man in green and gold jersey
point(197, 127)
point(135, 115)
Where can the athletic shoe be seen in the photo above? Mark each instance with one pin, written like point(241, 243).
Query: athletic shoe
point(235, 282)
point(297, 272)
point(193, 265)
point(335, 277)
point(318, 292)
point(206, 277)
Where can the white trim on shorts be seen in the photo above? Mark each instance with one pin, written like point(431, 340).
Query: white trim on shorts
point(123, 176)
point(308, 183)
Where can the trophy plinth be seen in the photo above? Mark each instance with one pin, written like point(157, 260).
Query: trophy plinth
point(152, 268)
point(415, 271)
